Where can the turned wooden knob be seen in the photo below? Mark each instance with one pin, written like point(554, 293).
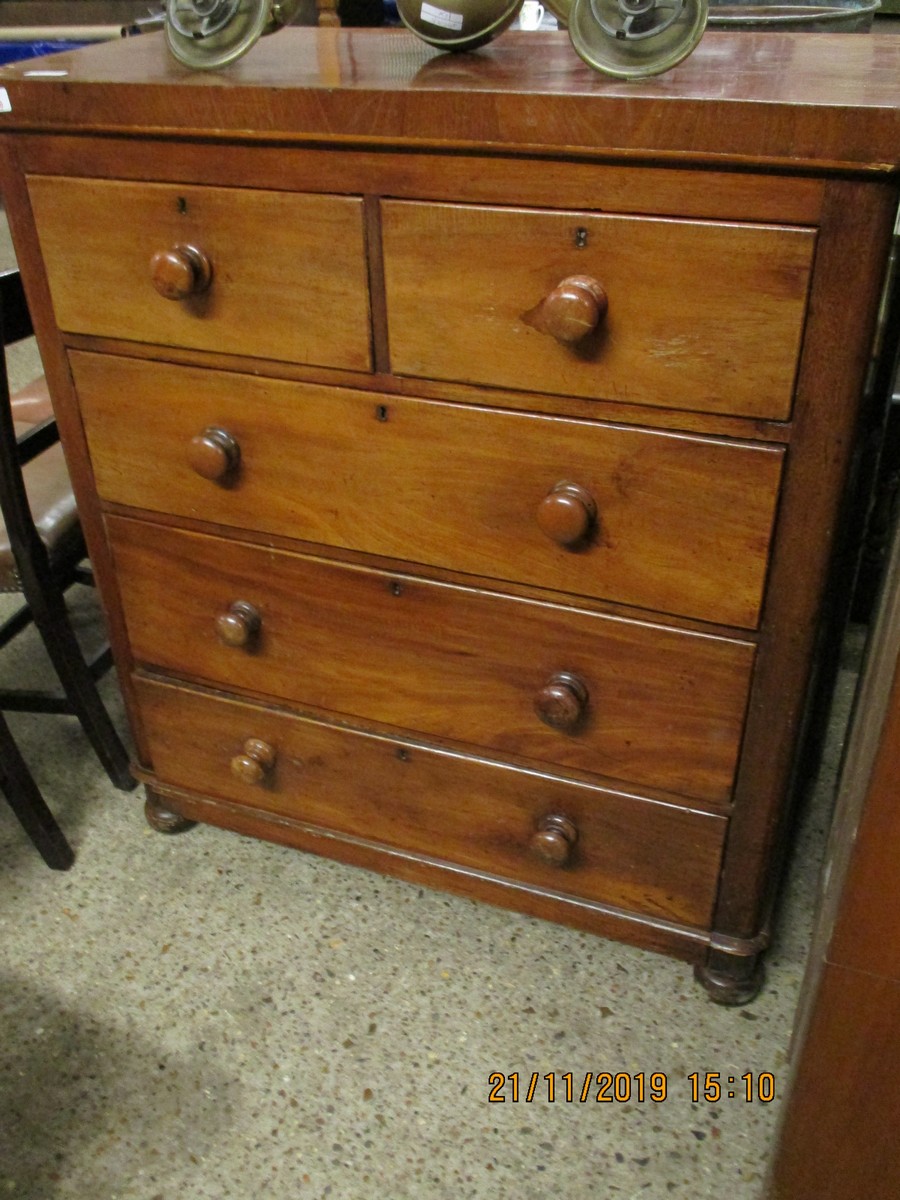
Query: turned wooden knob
point(239, 625)
point(567, 514)
point(214, 454)
point(562, 701)
point(554, 839)
point(255, 763)
point(180, 272)
point(574, 309)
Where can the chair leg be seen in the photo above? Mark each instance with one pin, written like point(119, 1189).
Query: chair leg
point(52, 620)
point(28, 804)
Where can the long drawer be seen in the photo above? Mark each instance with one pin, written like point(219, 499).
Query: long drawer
point(654, 520)
point(572, 839)
point(700, 315)
point(651, 705)
point(288, 276)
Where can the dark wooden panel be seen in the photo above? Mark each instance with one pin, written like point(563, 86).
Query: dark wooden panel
point(839, 1137)
point(867, 932)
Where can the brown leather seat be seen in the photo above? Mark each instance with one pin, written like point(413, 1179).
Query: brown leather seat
point(31, 404)
point(48, 486)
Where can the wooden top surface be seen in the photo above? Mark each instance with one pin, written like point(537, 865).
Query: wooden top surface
point(795, 99)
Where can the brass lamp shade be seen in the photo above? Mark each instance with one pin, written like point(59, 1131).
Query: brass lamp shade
point(631, 39)
point(458, 24)
point(205, 34)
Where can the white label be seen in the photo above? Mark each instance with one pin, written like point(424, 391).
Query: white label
point(5, 102)
point(440, 16)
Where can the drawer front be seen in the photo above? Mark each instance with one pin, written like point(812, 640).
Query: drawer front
point(702, 316)
point(682, 523)
point(655, 706)
point(288, 272)
point(643, 856)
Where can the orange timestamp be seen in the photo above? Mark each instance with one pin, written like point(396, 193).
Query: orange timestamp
point(623, 1087)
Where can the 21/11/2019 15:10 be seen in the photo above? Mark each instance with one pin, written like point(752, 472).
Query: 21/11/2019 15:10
point(622, 1087)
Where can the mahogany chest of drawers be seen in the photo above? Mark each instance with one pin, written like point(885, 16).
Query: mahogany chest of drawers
point(463, 442)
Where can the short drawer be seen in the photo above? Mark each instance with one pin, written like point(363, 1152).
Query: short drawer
point(288, 275)
point(570, 838)
point(647, 704)
point(673, 523)
point(704, 316)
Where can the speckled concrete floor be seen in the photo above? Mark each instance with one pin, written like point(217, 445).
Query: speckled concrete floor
point(209, 1016)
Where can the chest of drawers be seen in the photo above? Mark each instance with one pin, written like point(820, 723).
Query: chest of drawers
point(463, 444)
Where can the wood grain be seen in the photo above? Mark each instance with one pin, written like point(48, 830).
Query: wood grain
point(496, 179)
point(680, 331)
point(853, 246)
point(866, 930)
point(792, 100)
point(839, 1136)
point(731, 168)
point(289, 277)
point(443, 484)
point(644, 857)
point(422, 571)
point(665, 707)
point(591, 409)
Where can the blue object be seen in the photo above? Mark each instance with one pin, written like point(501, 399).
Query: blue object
point(16, 51)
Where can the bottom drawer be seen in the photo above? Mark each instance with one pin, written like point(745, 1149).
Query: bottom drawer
point(571, 838)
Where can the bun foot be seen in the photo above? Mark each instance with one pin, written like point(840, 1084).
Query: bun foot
point(731, 979)
point(162, 818)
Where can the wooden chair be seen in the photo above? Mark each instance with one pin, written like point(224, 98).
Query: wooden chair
point(42, 553)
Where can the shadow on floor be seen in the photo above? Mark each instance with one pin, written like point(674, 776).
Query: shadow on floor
point(68, 1077)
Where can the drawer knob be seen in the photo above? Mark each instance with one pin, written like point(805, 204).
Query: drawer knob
point(554, 839)
point(214, 454)
point(562, 701)
point(239, 625)
point(574, 309)
point(567, 514)
point(255, 763)
point(180, 272)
